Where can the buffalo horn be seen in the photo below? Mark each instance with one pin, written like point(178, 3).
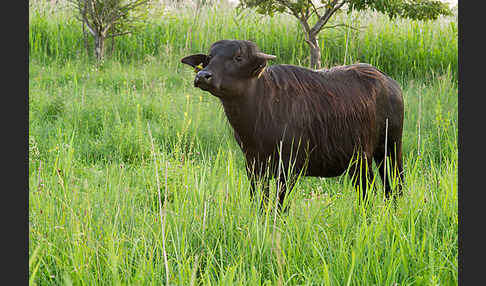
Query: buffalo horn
point(265, 56)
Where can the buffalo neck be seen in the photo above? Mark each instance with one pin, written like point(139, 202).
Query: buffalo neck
point(241, 109)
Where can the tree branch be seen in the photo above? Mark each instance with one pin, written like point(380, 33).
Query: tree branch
point(315, 9)
point(80, 5)
point(343, 25)
point(335, 5)
point(94, 13)
point(119, 34)
point(305, 24)
point(83, 12)
point(310, 43)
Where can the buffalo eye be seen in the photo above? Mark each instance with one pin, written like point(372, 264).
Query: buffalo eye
point(238, 59)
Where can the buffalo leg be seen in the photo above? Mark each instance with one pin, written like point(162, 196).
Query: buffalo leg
point(395, 167)
point(256, 175)
point(265, 190)
point(284, 184)
point(361, 174)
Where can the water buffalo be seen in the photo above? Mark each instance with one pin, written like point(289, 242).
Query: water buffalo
point(313, 121)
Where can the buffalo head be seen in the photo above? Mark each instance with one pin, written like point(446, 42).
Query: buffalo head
point(228, 66)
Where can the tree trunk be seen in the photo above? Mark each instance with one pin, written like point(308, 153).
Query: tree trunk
point(99, 47)
point(315, 51)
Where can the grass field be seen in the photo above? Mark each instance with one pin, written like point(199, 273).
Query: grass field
point(103, 139)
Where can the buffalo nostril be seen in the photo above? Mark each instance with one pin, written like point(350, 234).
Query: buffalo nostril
point(207, 76)
point(204, 75)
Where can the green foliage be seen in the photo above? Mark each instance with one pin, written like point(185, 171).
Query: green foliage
point(270, 7)
point(411, 9)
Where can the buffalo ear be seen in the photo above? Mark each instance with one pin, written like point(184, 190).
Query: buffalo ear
point(265, 56)
point(196, 60)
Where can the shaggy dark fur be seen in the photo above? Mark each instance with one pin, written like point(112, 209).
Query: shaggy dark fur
point(322, 119)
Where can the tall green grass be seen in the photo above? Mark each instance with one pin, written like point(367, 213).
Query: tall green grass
point(399, 47)
point(93, 192)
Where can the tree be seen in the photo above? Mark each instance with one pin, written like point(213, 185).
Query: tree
point(314, 15)
point(108, 19)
